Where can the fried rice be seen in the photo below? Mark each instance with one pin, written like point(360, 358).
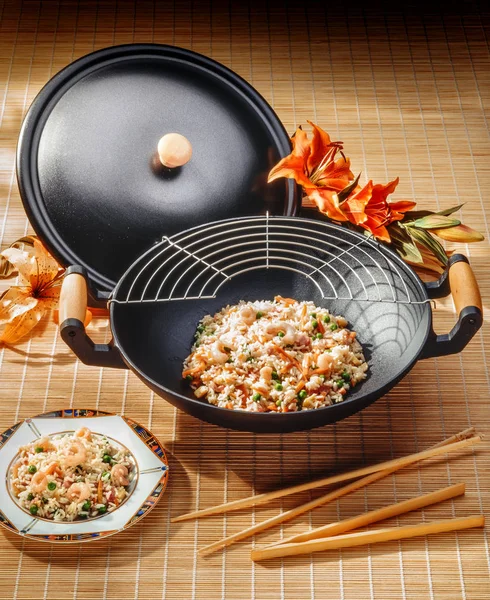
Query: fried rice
point(70, 476)
point(280, 356)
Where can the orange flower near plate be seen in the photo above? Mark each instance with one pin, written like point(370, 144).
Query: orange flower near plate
point(329, 183)
point(23, 306)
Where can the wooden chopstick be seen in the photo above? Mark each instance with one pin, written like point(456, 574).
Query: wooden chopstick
point(380, 514)
point(269, 496)
point(338, 493)
point(361, 538)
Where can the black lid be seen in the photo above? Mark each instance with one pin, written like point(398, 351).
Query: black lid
point(86, 159)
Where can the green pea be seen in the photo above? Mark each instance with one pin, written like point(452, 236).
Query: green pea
point(188, 377)
point(278, 402)
point(30, 496)
point(302, 395)
point(102, 510)
point(314, 324)
point(259, 315)
point(333, 326)
point(38, 450)
point(256, 397)
point(33, 509)
point(86, 505)
point(106, 458)
point(51, 486)
point(275, 375)
point(278, 387)
point(340, 382)
point(313, 315)
point(281, 334)
point(32, 469)
point(346, 377)
point(319, 336)
point(326, 319)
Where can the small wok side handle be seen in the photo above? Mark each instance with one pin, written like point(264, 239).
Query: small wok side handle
point(460, 281)
point(72, 309)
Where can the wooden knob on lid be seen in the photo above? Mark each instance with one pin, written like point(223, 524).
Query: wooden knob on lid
point(174, 150)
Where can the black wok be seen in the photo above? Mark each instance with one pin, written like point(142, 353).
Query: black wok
point(156, 305)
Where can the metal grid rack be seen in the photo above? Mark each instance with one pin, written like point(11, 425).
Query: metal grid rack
point(196, 263)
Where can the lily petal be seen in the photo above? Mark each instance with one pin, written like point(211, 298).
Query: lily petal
point(47, 267)
point(402, 205)
point(377, 229)
point(354, 206)
point(51, 293)
point(386, 190)
point(320, 145)
point(15, 302)
point(22, 324)
point(328, 203)
point(22, 261)
point(293, 166)
point(337, 173)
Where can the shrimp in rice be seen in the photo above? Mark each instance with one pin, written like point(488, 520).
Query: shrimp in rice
point(72, 476)
point(279, 356)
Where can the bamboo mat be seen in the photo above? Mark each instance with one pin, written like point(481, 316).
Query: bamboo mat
point(410, 96)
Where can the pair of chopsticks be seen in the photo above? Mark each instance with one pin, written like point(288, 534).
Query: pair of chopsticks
point(367, 475)
point(327, 538)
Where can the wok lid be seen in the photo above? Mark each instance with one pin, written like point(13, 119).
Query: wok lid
point(87, 165)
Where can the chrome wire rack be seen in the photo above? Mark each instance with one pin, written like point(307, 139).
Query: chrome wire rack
point(197, 263)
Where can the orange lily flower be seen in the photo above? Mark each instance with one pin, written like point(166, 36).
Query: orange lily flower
point(22, 307)
point(369, 208)
point(313, 165)
point(328, 182)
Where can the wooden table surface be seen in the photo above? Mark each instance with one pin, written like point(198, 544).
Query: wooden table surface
point(409, 94)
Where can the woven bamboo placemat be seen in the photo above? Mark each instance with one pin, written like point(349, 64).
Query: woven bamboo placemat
point(409, 95)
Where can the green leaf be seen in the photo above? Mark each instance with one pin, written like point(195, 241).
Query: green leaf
point(344, 194)
point(450, 211)
point(424, 238)
point(434, 221)
point(404, 245)
point(412, 215)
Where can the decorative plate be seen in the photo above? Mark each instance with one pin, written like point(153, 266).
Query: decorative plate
point(149, 486)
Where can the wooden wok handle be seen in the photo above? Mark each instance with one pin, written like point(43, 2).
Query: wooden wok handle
point(460, 281)
point(464, 287)
point(72, 311)
point(73, 298)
